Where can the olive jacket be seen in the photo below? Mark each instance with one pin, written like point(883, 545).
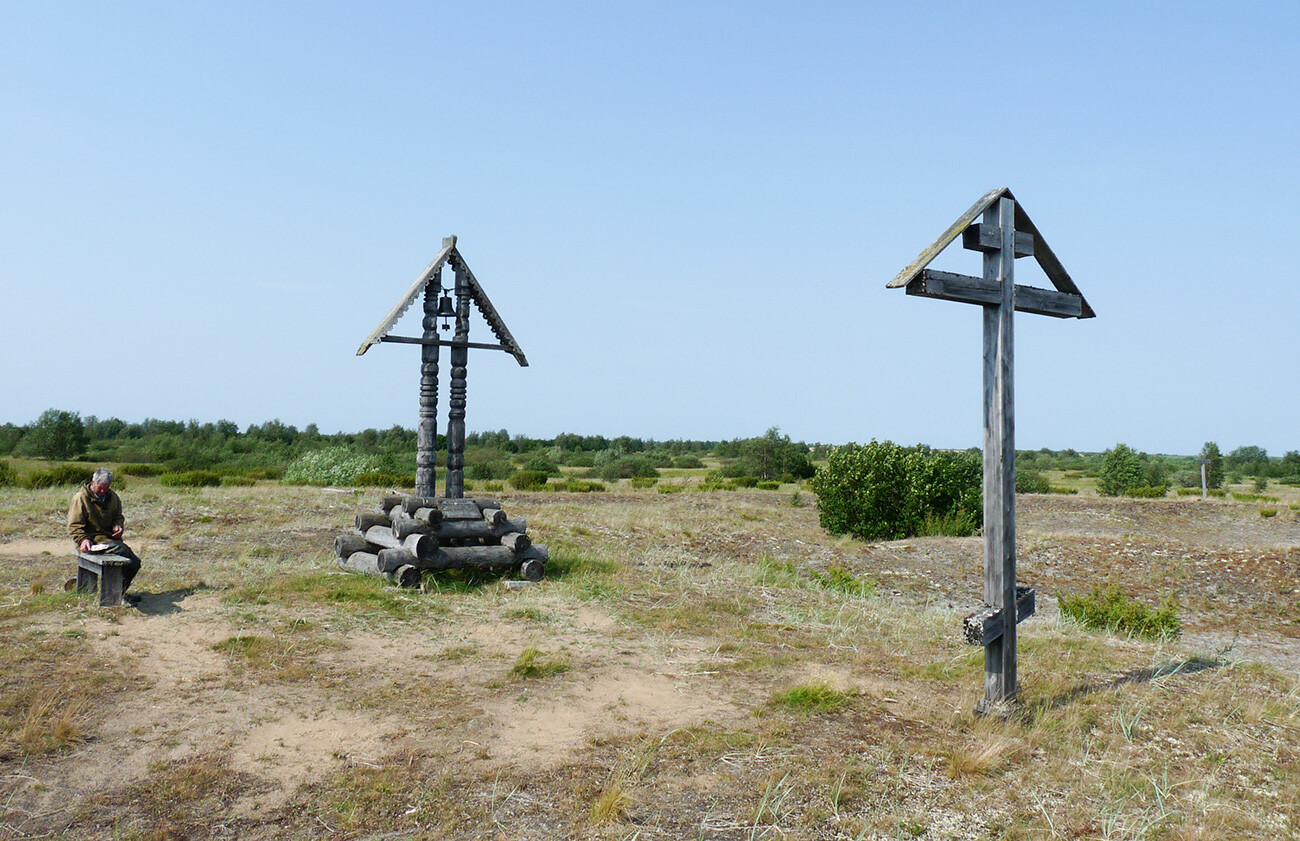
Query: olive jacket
point(88, 519)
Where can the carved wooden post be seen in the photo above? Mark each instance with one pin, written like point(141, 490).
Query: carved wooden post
point(426, 454)
point(456, 400)
point(1000, 455)
point(1006, 233)
point(468, 293)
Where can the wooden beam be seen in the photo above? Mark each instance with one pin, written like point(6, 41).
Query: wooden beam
point(408, 340)
point(448, 245)
point(981, 237)
point(977, 290)
point(985, 625)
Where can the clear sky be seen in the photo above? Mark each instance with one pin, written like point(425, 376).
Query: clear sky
point(686, 213)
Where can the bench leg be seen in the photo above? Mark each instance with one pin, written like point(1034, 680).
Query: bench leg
point(87, 581)
point(110, 585)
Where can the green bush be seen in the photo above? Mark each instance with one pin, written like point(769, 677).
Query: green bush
point(1149, 492)
point(882, 491)
point(191, 479)
point(744, 482)
point(383, 479)
point(1110, 610)
point(1061, 489)
point(537, 464)
point(496, 469)
point(328, 466)
point(626, 467)
point(527, 480)
point(1121, 470)
point(143, 471)
point(642, 481)
point(7, 475)
point(687, 462)
point(580, 486)
point(768, 486)
point(1031, 482)
point(237, 481)
point(63, 474)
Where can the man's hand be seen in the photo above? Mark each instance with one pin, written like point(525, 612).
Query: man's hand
point(84, 546)
point(117, 532)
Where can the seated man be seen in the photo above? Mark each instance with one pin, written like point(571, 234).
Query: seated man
point(95, 522)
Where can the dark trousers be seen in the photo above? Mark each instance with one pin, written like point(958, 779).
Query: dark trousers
point(117, 547)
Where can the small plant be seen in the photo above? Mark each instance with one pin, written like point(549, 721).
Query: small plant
point(532, 663)
point(7, 475)
point(769, 486)
point(237, 481)
point(191, 479)
point(1110, 610)
point(1150, 492)
point(1268, 512)
point(643, 481)
point(796, 500)
point(838, 578)
point(812, 697)
point(527, 480)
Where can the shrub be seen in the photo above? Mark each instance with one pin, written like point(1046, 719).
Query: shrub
point(485, 470)
point(671, 489)
point(768, 486)
point(7, 475)
point(744, 482)
point(1121, 470)
point(237, 481)
point(1031, 482)
point(884, 491)
point(143, 471)
point(55, 435)
point(328, 466)
point(527, 480)
point(63, 474)
point(191, 479)
point(1149, 492)
point(1268, 512)
point(383, 479)
point(580, 486)
point(642, 481)
point(687, 462)
point(1110, 610)
point(627, 467)
point(536, 465)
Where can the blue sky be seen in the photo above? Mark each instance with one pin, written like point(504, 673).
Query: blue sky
point(686, 213)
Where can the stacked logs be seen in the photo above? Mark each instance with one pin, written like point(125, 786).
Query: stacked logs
point(408, 535)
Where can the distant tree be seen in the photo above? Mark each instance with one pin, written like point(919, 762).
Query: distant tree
point(1289, 466)
point(1250, 460)
point(1121, 471)
point(10, 435)
point(1213, 470)
point(774, 455)
point(55, 435)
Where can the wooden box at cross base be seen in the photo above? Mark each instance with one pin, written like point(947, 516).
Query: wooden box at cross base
point(409, 535)
point(1004, 234)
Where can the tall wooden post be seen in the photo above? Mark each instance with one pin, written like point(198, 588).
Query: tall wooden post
point(426, 436)
point(456, 400)
point(1005, 234)
point(1000, 456)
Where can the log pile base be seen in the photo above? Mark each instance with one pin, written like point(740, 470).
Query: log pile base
point(410, 535)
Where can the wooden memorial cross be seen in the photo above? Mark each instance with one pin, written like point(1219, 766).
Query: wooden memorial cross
point(1004, 234)
point(467, 290)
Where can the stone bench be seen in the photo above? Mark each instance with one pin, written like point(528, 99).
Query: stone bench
point(103, 572)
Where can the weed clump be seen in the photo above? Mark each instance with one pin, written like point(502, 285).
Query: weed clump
point(814, 697)
point(532, 663)
point(1110, 610)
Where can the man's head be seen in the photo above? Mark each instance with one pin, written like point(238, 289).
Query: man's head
point(100, 481)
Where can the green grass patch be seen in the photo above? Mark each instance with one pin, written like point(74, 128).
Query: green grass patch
point(840, 579)
point(533, 663)
point(1110, 610)
point(812, 697)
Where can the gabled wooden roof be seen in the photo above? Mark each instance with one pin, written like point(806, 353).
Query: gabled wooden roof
point(449, 256)
point(1051, 266)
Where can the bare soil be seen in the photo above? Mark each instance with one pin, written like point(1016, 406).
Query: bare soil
point(242, 698)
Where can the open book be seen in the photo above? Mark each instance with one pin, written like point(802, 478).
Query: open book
point(100, 547)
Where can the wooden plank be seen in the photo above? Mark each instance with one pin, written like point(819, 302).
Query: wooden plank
point(985, 625)
point(459, 509)
point(490, 315)
point(411, 340)
point(966, 289)
point(448, 245)
point(945, 239)
point(981, 237)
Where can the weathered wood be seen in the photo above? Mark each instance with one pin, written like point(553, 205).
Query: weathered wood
point(999, 484)
point(456, 396)
point(365, 520)
point(432, 516)
point(426, 438)
point(494, 516)
point(407, 576)
point(983, 237)
point(966, 289)
point(420, 544)
point(448, 246)
point(479, 529)
point(366, 563)
point(532, 570)
point(103, 572)
point(458, 557)
point(411, 340)
point(348, 544)
point(985, 625)
point(407, 526)
point(390, 560)
point(460, 509)
point(411, 504)
point(387, 503)
point(516, 542)
point(486, 503)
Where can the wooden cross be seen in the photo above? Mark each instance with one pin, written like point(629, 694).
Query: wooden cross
point(1004, 234)
point(467, 290)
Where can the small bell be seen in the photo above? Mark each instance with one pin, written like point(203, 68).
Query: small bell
point(446, 309)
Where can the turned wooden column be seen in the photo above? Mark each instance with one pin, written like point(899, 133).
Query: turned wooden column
point(426, 442)
point(456, 400)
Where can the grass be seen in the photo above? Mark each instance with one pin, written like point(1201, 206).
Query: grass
point(725, 670)
point(1108, 609)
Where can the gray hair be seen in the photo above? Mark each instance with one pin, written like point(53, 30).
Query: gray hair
point(103, 474)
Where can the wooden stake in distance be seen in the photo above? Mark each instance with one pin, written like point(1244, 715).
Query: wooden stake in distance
point(467, 291)
point(1004, 234)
